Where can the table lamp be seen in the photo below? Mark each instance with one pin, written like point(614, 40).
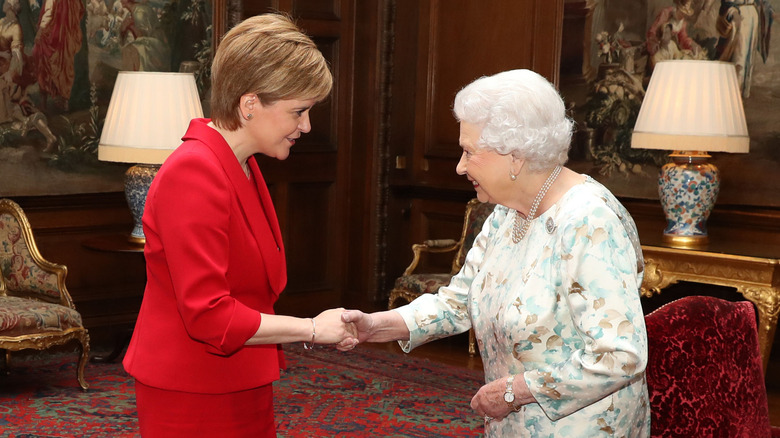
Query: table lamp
point(147, 116)
point(691, 107)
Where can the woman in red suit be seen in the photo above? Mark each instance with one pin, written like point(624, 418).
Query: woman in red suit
point(204, 352)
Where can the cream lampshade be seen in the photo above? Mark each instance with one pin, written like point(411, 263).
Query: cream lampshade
point(691, 107)
point(147, 116)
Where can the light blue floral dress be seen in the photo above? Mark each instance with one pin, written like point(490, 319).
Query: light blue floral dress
point(561, 309)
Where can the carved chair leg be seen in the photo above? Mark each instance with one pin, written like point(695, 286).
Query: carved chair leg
point(472, 343)
point(83, 359)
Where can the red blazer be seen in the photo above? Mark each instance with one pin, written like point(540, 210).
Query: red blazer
point(214, 262)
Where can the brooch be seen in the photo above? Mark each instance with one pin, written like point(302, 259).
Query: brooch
point(550, 225)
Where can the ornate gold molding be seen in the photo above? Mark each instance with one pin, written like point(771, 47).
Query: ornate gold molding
point(757, 279)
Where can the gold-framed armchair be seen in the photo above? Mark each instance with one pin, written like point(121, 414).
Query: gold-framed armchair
point(411, 285)
point(36, 310)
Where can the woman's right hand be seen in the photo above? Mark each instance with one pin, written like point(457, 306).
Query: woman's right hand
point(331, 329)
point(363, 323)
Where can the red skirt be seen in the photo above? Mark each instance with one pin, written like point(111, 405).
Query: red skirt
point(170, 414)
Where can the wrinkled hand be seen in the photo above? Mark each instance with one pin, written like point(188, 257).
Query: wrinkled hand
point(331, 329)
point(363, 322)
point(489, 400)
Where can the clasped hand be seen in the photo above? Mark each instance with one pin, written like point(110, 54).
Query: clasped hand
point(330, 329)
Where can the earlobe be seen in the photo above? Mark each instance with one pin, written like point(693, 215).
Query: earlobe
point(515, 166)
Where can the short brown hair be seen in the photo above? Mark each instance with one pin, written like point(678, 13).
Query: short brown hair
point(270, 56)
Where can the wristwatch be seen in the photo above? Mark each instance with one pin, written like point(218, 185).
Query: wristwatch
point(509, 395)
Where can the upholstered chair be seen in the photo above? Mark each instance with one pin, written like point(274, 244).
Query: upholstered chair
point(704, 370)
point(412, 284)
point(36, 310)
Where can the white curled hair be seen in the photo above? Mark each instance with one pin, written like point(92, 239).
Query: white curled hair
point(521, 114)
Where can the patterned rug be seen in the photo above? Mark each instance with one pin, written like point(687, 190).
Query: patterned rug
point(323, 393)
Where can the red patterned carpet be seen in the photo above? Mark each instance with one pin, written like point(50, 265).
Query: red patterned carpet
point(323, 393)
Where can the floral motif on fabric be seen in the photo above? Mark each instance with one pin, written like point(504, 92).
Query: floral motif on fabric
point(561, 309)
point(20, 273)
point(21, 316)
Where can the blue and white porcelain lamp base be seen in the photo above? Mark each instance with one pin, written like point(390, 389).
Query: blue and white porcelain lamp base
point(138, 178)
point(688, 187)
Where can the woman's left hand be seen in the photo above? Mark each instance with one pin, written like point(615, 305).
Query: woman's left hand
point(489, 400)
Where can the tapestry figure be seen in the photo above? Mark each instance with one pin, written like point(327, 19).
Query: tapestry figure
point(17, 112)
point(56, 43)
point(667, 37)
point(744, 28)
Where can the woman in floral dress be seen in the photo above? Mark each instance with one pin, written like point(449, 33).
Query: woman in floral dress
point(551, 285)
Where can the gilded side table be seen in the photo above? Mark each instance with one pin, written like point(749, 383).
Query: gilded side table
point(753, 271)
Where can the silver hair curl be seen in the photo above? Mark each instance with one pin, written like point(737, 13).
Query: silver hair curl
point(520, 113)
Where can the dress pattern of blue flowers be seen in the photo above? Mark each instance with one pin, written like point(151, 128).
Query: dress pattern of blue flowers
point(561, 309)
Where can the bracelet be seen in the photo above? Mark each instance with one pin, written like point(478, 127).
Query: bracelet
point(310, 345)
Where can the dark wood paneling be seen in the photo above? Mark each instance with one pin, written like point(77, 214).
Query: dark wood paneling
point(439, 47)
point(365, 265)
point(465, 40)
point(308, 236)
point(257, 7)
point(317, 9)
point(457, 42)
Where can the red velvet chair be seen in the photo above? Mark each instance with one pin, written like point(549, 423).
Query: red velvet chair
point(704, 370)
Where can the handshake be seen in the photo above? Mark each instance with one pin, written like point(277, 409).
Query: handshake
point(347, 328)
point(335, 327)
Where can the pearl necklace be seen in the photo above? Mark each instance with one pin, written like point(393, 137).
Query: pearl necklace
point(521, 224)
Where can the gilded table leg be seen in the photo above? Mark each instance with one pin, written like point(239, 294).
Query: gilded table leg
point(767, 301)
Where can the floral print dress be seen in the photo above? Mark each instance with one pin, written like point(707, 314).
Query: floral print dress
point(561, 309)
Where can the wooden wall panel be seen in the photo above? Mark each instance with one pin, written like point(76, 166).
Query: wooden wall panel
point(308, 236)
point(465, 40)
point(317, 9)
point(365, 215)
point(439, 47)
point(459, 41)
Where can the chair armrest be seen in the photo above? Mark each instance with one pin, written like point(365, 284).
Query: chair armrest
point(430, 246)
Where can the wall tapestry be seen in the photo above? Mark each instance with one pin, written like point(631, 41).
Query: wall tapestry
point(624, 39)
point(58, 63)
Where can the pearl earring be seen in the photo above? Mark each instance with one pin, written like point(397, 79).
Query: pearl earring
point(512, 177)
point(249, 116)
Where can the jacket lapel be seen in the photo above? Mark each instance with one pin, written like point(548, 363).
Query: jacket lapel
point(272, 248)
point(260, 216)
